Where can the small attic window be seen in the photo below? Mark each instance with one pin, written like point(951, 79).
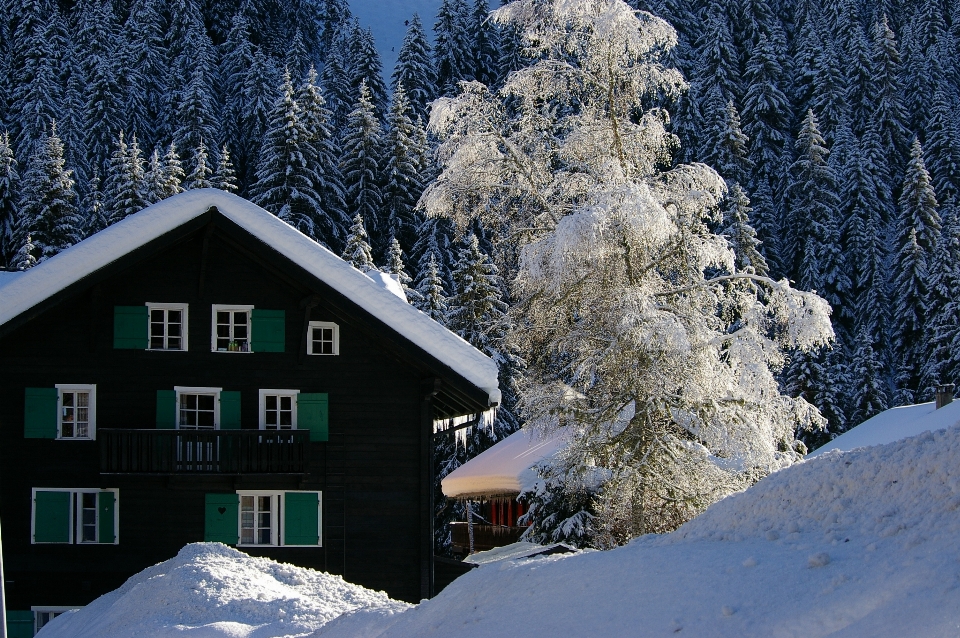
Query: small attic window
point(323, 337)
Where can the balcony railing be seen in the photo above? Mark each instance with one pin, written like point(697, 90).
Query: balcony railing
point(484, 537)
point(203, 451)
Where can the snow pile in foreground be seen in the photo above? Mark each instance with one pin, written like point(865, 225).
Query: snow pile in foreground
point(210, 590)
point(862, 543)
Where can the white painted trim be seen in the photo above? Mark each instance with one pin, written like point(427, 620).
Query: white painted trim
point(263, 405)
point(221, 307)
point(275, 521)
point(57, 609)
point(92, 411)
point(184, 326)
point(336, 337)
point(180, 389)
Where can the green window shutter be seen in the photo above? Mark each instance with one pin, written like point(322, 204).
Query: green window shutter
point(221, 520)
point(51, 517)
point(312, 415)
point(229, 410)
point(166, 410)
point(19, 624)
point(267, 330)
point(40, 413)
point(107, 504)
point(301, 518)
point(130, 324)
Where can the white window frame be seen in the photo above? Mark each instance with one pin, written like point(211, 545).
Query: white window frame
point(279, 393)
point(179, 389)
point(184, 340)
point(215, 308)
point(48, 609)
point(91, 410)
point(336, 337)
point(276, 530)
point(75, 527)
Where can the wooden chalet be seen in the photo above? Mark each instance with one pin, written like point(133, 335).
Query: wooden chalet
point(201, 371)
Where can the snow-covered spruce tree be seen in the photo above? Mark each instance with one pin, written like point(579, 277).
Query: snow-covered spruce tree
point(367, 69)
point(321, 154)
point(360, 165)
point(48, 200)
point(624, 346)
point(917, 231)
point(395, 266)
point(414, 69)
point(433, 298)
point(173, 173)
point(285, 181)
point(452, 51)
point(126, 187)
point(24, 259)
point(402, 183)
point(485, 52)
point(9, 194)
point(357, 251)
point(476, 310)
point(943, 283)
point(199, 177)
point(224, 178)
point(93, 207)
point(154, 178)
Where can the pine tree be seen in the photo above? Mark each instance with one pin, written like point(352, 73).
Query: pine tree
point(126, 192)
point(154, 179)
point(452, 48)
point(9, 196)
point(174, 176)
point(917, 231)
point(94, 207)
point(889, 113)
point(939, 359)
point(200, 176)
point(476, 311)
point(103, 118)
point(259, 90)
point(337, 84)
point(357, 250)
point(143, 78)
point(321, 154)
point(360, 165)
point(224, 178)
point(433, 298)
point(24, 259)
point(396, 267)
point(367, 70)
point(942, 148)
point(402, 182)
point(236, 61)
point(286, 182)
point(868, 384)
point(414, 69)
point(740, 234)
point(47, 204)
point(485, 52)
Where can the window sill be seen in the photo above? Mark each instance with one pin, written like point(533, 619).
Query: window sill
point(166, 350)
point(257, 545)
point(233, 351)
point(75, 438)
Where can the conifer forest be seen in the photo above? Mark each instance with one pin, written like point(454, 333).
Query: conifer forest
point(834, 126)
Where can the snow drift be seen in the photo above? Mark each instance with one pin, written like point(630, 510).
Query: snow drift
point(210, 590)
point(861, 543)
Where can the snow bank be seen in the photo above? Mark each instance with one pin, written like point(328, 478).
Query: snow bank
point(210, 590)
point(860, 543)
point(894, 424)
point(20, 293)
point(505, 468)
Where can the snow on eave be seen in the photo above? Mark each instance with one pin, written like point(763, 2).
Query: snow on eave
point(894, 424)
point(20, 294)
point(503, 470)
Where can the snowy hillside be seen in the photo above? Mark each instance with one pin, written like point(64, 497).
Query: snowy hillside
point(386, 19)
point(211, 590)
point(854, 544)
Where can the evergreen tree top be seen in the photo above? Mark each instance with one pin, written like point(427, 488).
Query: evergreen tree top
point(357, 251)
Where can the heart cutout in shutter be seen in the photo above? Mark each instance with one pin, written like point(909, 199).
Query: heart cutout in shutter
point(222, 510)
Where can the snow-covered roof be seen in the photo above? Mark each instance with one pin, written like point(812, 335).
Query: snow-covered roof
point(895, 424)
point(19, 293)
point(506, 468)
point(387, 281)
point(518, 550)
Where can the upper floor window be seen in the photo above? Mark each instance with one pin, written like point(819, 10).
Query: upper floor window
point(198, 408)
point(231, 328)
point(323, 337)
point(278, 409)
point(168, 326)
point(76, 417)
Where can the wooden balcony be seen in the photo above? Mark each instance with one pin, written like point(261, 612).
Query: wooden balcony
point(203, 451)
point(484, 537)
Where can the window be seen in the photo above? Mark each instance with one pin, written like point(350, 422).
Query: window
point(278, 409)
point(168, 326)
point(76, 416)
point(198, 408)
point(323, 337)
point(258, 519)
point(231, 328)
point(75, 516)
point(43, 615)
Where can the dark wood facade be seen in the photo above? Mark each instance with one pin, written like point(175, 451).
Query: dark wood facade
point(373, 472)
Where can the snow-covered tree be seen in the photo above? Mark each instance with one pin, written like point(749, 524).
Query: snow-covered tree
point(126, 187)
point(452, 54)
point(199, 177)
point(361, 162)
point(367, 70)
point(24, 259)
point(476, 310)
point(402, 183)
point(433, 298)
point(357, 251)
point(414, 69)
point(617, 311)
point(224, 178)
point(485, 52)
point(9, 195)
point(174, 176)
point(395, 266)
point(48, 200)
point(94, 208)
